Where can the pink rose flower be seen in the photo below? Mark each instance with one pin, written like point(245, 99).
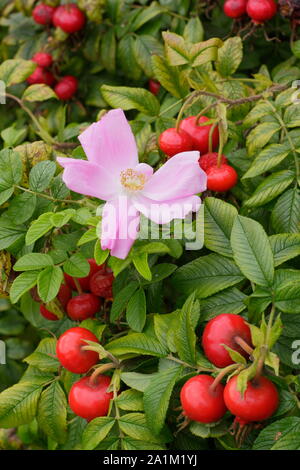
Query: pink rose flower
point(113, 174)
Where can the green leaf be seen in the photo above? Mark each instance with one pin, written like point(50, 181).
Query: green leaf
point(175, 49)
point(38, 92)
point(133, 444)
point(10, 233)
point(140, 262)
point(157, 396)
point(252, 251)
point(218, 221)
point(292, 116)
point(170, 77)
point(121, 300)
point(15, 71)
point(59, 219)
point(145, 14)
point(131, 98)
point(283, 434)
point(228, 301)
point(52, 413)
point(38, 228)
point(49, 281)
point(33, 261)
point(130, 400)
point(22, 284)
point(136, 343)
point(96, 431)
point(285, 246)
point(88, 236)
point(41, 175)
point(230, 56)
point(286, 213)
point(77, 266)
point(270, 188)
point(207, 275)
point(261, 135)
point(144, 47)
point(42, 358)
point(5, 195)
point(135, 426)
point(136, 311)
point(260, 110)
point(193, 30)
point(269, 157)
point(10, 169)
point(22, 207)
point(18, 404)
point(185, 339)
point(137, 381)
point(204, 52)
point(99, 254)
point(160, 272)
point(287, 297)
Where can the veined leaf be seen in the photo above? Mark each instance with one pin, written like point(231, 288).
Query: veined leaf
point(252, 251)
point(52, 412)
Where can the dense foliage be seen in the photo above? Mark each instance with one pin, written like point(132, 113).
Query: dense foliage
point(241, 76)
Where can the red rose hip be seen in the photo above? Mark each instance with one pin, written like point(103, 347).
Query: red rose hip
point(47, 314)
point(224, 329)
point(64, 295)
point(42, 59)
point(210, 159)
point(41, 76)
point(43, 14)
point(200, 134)
point(261, 10)
point(221, 178)
point(154, 86)
point(84, 282)
point(90, 399)
point(66, 88)
point(83, 306)
point(172, 142)
point(70, 353)
point(235, 8)
point(101, 284)
point(69, 18)
point(201, 403)
point(260, 400)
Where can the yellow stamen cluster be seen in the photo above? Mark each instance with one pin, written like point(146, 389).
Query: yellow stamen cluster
point(132, 180)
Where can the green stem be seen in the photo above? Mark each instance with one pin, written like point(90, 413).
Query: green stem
point(62, 201)
point(44, 134)
point(222, 374)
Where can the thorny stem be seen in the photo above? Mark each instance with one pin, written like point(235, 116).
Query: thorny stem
point(221, 99)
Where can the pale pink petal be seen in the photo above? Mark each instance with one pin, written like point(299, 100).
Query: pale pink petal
point(111, 143)
point(89, 179)
point(163, 212)
point(120, 223)
point(144, 168)
point(179, 177)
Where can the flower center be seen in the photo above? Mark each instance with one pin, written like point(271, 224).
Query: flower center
point(132, 180)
